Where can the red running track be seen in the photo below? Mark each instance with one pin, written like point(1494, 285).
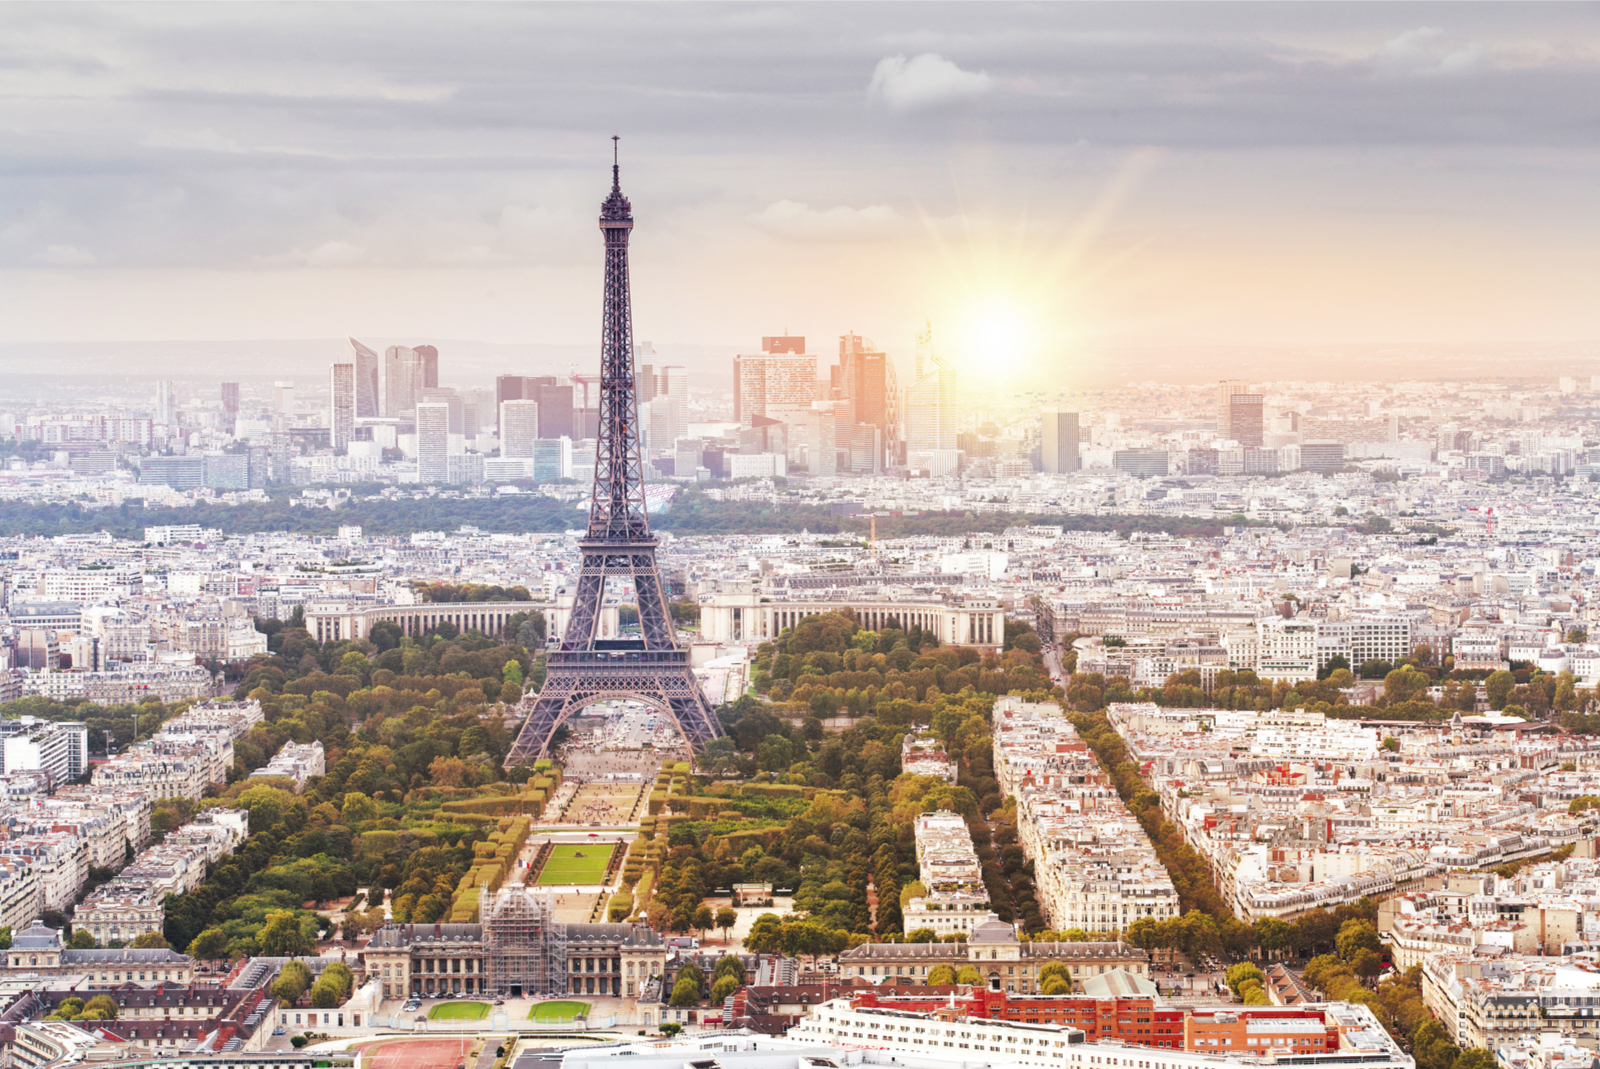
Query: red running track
point(418, 1054)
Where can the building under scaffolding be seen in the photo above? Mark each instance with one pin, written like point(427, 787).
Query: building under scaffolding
point(525, 947)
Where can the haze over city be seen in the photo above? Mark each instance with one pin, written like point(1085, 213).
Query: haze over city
point(1037, 180)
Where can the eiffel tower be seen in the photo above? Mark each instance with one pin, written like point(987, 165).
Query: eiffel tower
point(651, 669)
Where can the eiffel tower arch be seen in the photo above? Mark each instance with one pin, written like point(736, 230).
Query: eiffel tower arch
point(653, 668)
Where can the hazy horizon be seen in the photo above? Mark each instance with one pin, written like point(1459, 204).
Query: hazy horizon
point(1039, 183)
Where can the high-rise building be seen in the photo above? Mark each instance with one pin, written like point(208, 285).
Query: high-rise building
point(433, 442)
point(1058, 440)
point(507, 388)
point(555, 410)
point(644, 373)
point(930, 408)
point(369, 392)
point(672, 386)
point(342, 405)
point(519, 427)
point(166, 402)
point(865, 378)
point(283, 398)
point(428, 357)
point(230, 404)
point(1246, 424)
point(822, 457)
point(780, 382)
point(552, 459)
point(402, 380)
point(449, 396)
point(1225, 390)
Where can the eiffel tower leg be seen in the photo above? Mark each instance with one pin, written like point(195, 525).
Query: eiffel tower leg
point(533, 742)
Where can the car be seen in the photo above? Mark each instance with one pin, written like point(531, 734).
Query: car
point(498, 1002)
point(277, 1031)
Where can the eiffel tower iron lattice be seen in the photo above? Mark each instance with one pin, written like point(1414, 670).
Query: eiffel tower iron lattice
point(586, 669)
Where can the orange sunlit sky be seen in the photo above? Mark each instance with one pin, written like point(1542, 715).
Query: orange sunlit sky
point(1028, 178)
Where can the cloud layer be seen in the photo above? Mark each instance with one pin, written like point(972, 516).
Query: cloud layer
point(1322, 143)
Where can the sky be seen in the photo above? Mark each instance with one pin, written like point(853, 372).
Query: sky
point(1031, 180)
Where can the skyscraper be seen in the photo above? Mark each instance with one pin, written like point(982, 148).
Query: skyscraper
point(1058, 441)
point(555, 410)
point(283, 397)
point(166, 402)
point(865, 378)
point(519, 427)
point(780, 382)
point(672, 385)
point(368, 390)
point(433, 442)
point(342, 405)
point(428, 356)
point(230, 404)
point(402, 380)
point(1246, 420)
point(1226, 389)
point(930, 408)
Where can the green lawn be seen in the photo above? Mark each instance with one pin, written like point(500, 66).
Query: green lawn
point(455, 1008)
point(559, 1010)
point(563, 866)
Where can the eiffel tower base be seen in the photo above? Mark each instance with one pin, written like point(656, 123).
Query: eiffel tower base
point(576, 679)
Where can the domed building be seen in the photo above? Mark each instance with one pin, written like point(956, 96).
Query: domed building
point(39, 951)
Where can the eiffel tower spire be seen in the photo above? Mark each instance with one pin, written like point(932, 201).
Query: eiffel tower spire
point(589, 667)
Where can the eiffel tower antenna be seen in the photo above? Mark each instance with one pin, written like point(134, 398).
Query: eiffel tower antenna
point(590, 667)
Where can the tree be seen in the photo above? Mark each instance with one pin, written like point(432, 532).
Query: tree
point(941, 975)
point(722, 988)
point(1256, 997)
point(82, 939)
point(356, 808)
point(1144, 933)
point(1497, 688)
point(1272, 934)
point(1356, 935)
point(1242, 972)
point(727, 917)
point(969, 975)
point(686, 992)
point(209, 945)
point(281, 937)
point(1367, 965)
point(671, 1028)
point(292, 982)
point(922, 935)
point(728, 965)
point(325, 994)
point(1055, 986)
point(1477, 1057)
point(765, 935)
point(150, 941)
point(101, 1008)
point(5, 938)
point(703, 920)
point(1390, 743)
point(1056, 969)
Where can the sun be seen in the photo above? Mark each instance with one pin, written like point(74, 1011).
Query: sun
point(997, 337)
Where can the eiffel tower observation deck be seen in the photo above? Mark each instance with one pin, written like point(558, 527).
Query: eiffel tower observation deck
point(652, 669)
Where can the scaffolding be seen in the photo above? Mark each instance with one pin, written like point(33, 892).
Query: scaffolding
point(525, 946)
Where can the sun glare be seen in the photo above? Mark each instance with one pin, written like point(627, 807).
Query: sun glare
point(998, 338)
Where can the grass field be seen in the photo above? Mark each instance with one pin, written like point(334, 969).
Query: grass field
point(560, 1010)
point(468, 1011)
point(564, 867)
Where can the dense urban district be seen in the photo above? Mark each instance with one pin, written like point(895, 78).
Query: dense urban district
point(1160, 728)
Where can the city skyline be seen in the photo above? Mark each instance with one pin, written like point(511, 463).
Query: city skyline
point(1039, 182)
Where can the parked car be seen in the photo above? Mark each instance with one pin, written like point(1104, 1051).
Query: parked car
point(277, 1031)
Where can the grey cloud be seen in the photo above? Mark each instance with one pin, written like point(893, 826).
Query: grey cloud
point(242, 136)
